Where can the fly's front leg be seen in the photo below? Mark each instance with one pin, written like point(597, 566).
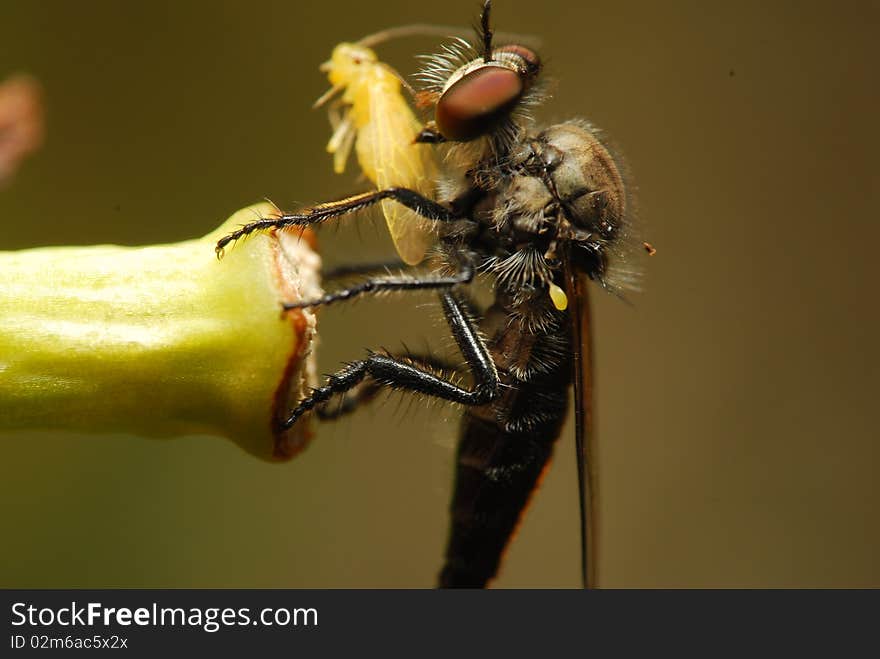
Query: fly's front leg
point(427, 208)
point(397, 373)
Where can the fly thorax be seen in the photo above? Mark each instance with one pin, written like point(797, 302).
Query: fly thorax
point(585, 179)
point(521, 208)
point(528, 308)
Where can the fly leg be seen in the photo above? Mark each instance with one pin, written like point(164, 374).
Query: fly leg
point(427, 208)
point(390, 283)
point(342, 271)
point(398, 373)
point(368, 389)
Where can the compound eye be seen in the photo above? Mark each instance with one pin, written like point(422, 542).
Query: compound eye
point(528, 58)
point(471, 106)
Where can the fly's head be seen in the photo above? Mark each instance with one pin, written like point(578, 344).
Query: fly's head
point(557, 193)
point(480, 95)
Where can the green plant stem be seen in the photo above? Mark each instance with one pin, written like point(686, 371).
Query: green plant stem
point(159, 341)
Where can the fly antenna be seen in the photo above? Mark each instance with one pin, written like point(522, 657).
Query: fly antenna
point(486, 31)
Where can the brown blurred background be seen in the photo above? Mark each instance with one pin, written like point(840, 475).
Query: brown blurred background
point(737, 395)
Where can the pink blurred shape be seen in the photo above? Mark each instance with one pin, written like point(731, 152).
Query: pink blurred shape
point(21, 122)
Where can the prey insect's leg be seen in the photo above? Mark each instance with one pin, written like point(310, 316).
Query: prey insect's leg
point(389, 283)
point(366, 391)
point(427, 208)
point(399, 374)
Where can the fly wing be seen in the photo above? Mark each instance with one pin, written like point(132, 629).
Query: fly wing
point(585, 437)
point(402, 163)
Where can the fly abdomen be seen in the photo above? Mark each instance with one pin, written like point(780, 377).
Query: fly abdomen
point(503, 450)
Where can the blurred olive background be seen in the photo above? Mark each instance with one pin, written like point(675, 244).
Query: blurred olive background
point(736, 395)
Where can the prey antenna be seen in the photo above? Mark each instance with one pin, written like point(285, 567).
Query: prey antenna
point(413, 30)
point(486, 31)
point(446, 31)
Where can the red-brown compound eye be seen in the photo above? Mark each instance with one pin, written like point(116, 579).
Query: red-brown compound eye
point(476, 102)
point(530, 60)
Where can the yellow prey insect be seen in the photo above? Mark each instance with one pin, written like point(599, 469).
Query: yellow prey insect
point(376, 118)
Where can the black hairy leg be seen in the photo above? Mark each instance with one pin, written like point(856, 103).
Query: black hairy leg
point(389, 283)
point(427, 208)
point(362, 269)
point(397, 373)
point(367, 390)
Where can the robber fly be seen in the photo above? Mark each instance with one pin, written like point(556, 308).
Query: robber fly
point(538, 211)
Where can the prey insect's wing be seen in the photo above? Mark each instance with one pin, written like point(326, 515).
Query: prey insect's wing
point(585, 437)
point(399, 162)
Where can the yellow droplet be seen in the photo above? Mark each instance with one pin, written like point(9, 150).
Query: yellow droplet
point(560, 300)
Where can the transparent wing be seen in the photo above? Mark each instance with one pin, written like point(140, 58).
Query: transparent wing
point(585, 437)
point(401, 163)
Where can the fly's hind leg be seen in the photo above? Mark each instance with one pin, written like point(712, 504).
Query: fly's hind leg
point(396, 373)
point(365, 392)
